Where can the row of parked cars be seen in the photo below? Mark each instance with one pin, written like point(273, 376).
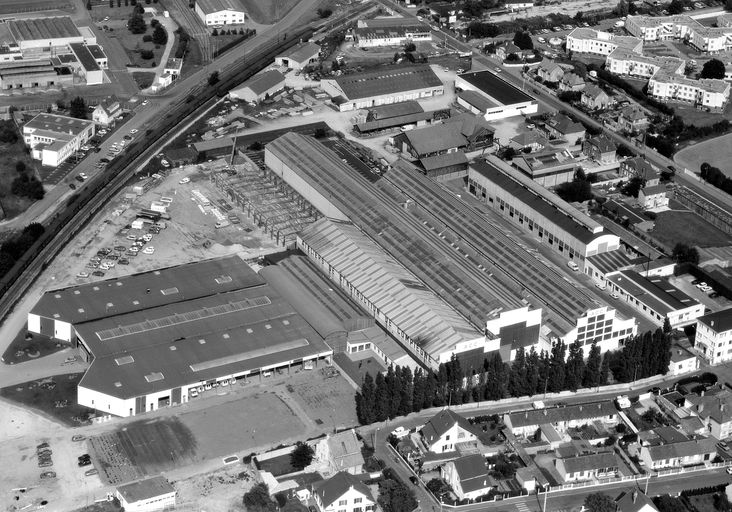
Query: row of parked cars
point(194, 392)
point(704, 287)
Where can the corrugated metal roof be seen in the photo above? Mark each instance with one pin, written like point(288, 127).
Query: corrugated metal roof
point(387, 81)
point(394, 290)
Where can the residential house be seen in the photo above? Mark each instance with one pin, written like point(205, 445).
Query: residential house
point(507, 48)
point(571, 82)
point(652, 197)
point(714, 409)
point(526, 423)
point(562, 127)
point(682, 360)
point(594, 98)
point(339, 452)
point(601, 149)
point(634, 501)
point(689, 452)
point(106, 112)
point(468, 476)
point(550, 71)
point(632, 119)
point(587, 467)
point(713, 335)
point(445, 430)
point(343, 492)
point(638, 167)
point(533, 140)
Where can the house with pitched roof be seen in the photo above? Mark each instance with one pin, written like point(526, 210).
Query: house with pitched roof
point(714, 409)
point(601, 149)
point(651, 197)
point(526, 423)
point(445, 430)
point(594, 98)
point(506, 48)
point(639, 167)
point(571, 82)
point(550, 71)
point(468, 476)
point(562, 127)
point(106, 112)
point(687, 452)
point(339, 452)
point(713, 334)
point(534, 140)
point(634, 501)
point(259, 87)
point(632, 119)
point(343, 492)
point(587, 466)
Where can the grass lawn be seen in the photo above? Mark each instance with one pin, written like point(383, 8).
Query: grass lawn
point(276, 465)
point(689, 228)
point(716, 152)
point(11, 204)
point(54, 397)
point(143, 79)
point(703, 503)
point(269, 12)
point(22, 349)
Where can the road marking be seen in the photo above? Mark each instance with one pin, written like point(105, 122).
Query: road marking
point(523, 507)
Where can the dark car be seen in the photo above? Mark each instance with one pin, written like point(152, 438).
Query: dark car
point(86, 456)
point(42, 446)
point(120, 248)
point(98, 273)
point(48, 474)
point(104, 160)
point(72, 186)
point(124, 261)
point(414, 480)
point(696, 282)
point(84, 462)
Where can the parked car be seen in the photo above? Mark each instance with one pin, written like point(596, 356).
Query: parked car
point(82, 275)
point(98, 273)
point(48, 474)
point(573, 266)
point(91, 472)
point(78, 438)
point(184, 181)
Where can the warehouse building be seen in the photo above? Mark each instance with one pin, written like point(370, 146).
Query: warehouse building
point(390, 32)
point(32, 74)
point(153, 338)
point(655, 297)
point(382, 87)
point(397, 115)
point(53, 138)
point(530, 206)
point(483, 93)
point(259, 87)
point(88, 64)
point(299, 56)
point(221, 12)
point(45, 35)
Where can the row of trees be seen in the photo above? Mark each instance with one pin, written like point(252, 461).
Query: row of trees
point(563, 368)
point(715, 177)
point(14, 247)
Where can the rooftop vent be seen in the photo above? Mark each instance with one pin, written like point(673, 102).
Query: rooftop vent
point(169, 291)
point(118, 283)
point(77, 292)
point(154, 377)
point(223, 279)
point(81, 310)
point(267, 326)
point(173, 347)
point(118, 384)
point(95, 288)
point(56, 315)
point(249, 331)
point(226, 336)
point(124, 360)
point(202, 341)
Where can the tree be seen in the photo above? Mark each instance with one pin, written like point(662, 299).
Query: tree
point(575, 367)
point(8, 132)
point(666, 503)
point(77, 108)
point(88, 5)
point(728, 5)
point(20, 166)
point(713, 68)
point(683, 253)
point(394, 496)
point(591, 376)
point(676, 7)
point(409, 46)
point(365, 400)
point(599, 502)
point(622, 8)
point(523, 40)
point(633, 187)
point(160, 36)
point(213, 78)
point(324, 13)
point(257, 499)
point(301, 456)
point(624, 150)
point(666, 326)
point(137, 24)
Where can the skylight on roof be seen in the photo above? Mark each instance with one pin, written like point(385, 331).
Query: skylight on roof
point(169, 291)
point(154, 377)
point(202, 341)
point(118, 384)
point(223, 279)
point(81, 310)
point(124, 360)
point(285, 322)
point(77, 292)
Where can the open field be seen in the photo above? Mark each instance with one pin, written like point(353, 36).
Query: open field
point(143, 79)
point(267, 13)
point(717, 152)
point(11, 204)
point(53, 397)
point(132, 43)
point(674, 227)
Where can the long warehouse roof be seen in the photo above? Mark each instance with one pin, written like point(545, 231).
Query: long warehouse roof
point(395, 291)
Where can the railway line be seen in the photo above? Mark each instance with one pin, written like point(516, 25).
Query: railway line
point(81, 207)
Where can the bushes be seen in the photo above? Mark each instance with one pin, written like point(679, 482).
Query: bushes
point(8, 133)
point(27, 186)
point(183, 40)
point(147, 38)
point(147, 54)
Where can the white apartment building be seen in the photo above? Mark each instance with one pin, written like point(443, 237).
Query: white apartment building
point(680, 27)
point(597, 42)
point(221, 12)
point(714, 336)
point(623, 62)
point(53, 138)
point(712, 94)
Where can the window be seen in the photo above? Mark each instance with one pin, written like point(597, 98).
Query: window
point(357, 500)
point(342, 503)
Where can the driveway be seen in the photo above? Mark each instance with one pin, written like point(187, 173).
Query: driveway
point(170, 27)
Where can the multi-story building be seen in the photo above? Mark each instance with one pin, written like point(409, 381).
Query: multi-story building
point(106, 112)
point(601, 149)
point(596, 42)
point(713, 338)
point(53, 138)
point(681, 27)
point(708, 93)
point(714, 408)
point(468, 476)
point(602, 326)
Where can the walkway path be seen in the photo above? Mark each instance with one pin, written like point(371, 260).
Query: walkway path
point(170, 27)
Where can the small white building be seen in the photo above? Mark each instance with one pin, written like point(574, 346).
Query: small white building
point(714, 336)
point(147, 495)
point(53, 138)
point(106, 112)
point(221, 12)
point(652, 197)
point(587, 467)
point(173, 67)
point(468, 476)
point(259, 87)
point(343, 493)
point(299, 56)
point(446, 429)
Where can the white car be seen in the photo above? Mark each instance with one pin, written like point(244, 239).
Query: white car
point(184, 181)
point(83, 175)
point(147, 237)
point(702, 285)
point(165, 163)
point(103, 266)
point(706, 289)
point(83, 275)
point(573, 266)
point(192, 393)
point(133, 131)
point(110, 263)
point(145, 103)
point(149, 249)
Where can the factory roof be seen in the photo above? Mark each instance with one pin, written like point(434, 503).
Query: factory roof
point(35, 29)
point(391, 122)
point(430, 163)
point(25, 67)
point(300, 52)
point(553, 415)
point(544, 206)
point(55, 124)
point(719, 321)
point(496, 88)
point(92, 301)
point(145, 489)
point(613, 261)
point(395, 291)
point(387, 30)
point(195, 341)
point(435, 138)
point(401, 109)
point(262, 82)
point(385, 81)
point(96, 51)
point(212, 6)
point(477, 100)
point(655, 292)
point(85, 57)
